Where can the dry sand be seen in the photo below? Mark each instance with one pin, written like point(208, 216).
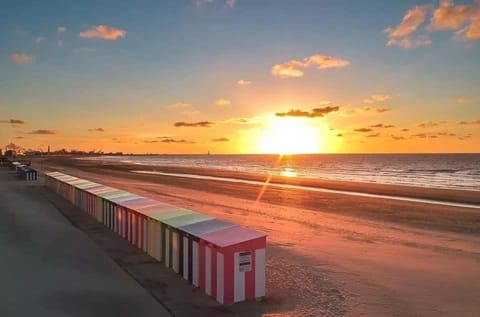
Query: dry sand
point(330, 254)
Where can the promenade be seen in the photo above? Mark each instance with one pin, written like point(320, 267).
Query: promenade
point(50, 268)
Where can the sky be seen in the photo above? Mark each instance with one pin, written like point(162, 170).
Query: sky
point(241, 76)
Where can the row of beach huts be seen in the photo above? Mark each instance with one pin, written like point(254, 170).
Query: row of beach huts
point(225, 260)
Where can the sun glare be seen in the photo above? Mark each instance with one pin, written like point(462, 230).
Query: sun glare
point(290, 135)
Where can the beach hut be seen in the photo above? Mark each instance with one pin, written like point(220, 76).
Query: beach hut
point(189, 239)
point(176, 247)
point(232, 264)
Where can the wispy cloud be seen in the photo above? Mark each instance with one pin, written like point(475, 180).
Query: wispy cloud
point(39, 39)
point(202, 124)
point(230, 3)
point(401, 35)
point(375, 135)
point(431, 124)
point(315, 113)
point(179, 105)
point(43, 132)
point(13, 121)
point(464, 100)
point(169, 140)
point(21, 58)
point(222, 139)
point(103, 32)
point(377, 98)
point(381, 125)
point(296, 68)
point(96, 130)
point(222, 102)
point(244, 82)
point(462, 19)
point(363, 130)
point(469, 122)
point(449, 16)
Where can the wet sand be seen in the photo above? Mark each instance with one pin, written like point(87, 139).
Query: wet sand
point(332, 254)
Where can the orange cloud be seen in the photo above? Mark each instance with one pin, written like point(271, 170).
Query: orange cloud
point(103, 32)
point(13, 121)
point(295, 68)
point(363, 130)
point(464, 100)
point(315, 113)
point(203, 124)
point(223, 139)
point(324, 62)
point(179, 104)
point(222, 102)
point(472, 31)
point(291, 68)
point(401, 34)
point(43, 132)
point(449, 16)
point(96, 130)
point(377, 98)
point(243, 82)
point(21, 58)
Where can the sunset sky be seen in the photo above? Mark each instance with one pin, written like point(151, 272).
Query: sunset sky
point(244, 76)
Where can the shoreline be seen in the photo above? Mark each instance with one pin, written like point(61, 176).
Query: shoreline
point(438, 194)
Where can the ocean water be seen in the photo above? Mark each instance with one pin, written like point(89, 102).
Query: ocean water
point(449, 171)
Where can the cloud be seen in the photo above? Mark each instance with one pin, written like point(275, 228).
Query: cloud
point(43, 132)
point(295, 68)
point(339, 135)
point(39, 39)
point(316, 112)
point(103, 32)
point(291, 68)
point(13, 121)
point(373, 135)
point(21, 58)
point(19, 137)
point(431, 124)
point(97, 130)
point(397, 138)
point(222, 139)
point(170, 140)
point(469, 122)
point(377, 98)
point(381, 125)
point(373, 109)
point(470, 32)
point(179, 104)
point(61, 29)
point(464, 100)
point(405, 130)
point(324, 62)
point(449, 16)
point(203, 124)
point(230, 3)
point(244, 82)
point(401, 34)
point(222, 102)
point(419, 135)
point(363, 130)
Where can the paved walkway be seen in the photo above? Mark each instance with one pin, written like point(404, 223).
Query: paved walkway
point(50, 268)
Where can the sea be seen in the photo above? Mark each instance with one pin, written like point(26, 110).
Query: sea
point(448, 171)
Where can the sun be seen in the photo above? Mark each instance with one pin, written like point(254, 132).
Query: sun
point(290, 135)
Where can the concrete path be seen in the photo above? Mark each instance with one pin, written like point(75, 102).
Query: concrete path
point(50, 268)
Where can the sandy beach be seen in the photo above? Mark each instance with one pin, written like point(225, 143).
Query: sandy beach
point(332, 254)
